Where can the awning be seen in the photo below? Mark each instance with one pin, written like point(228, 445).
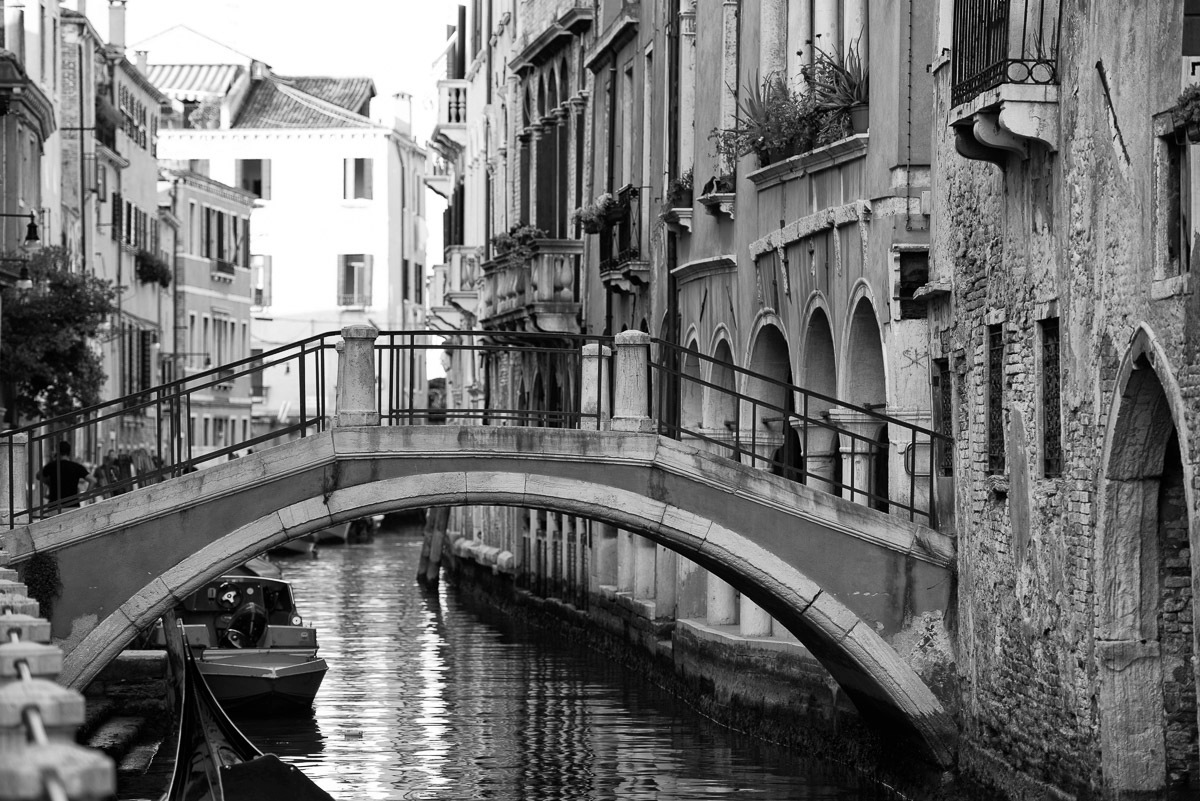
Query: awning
point(193, 82)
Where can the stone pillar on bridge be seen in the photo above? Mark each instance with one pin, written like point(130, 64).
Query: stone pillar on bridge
point(664, 582)
point(356, 398)
point(631, 410)
point(752, 620)
point(604, 565)
point(594, 387)
point(14, 468)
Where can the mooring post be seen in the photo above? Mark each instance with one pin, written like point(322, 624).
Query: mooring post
point(594, 390)
point(14, 469)
point(356, 377)
point(631, 410)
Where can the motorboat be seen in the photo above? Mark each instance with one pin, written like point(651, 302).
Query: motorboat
point(333, 535)
point(214, 761)
point(301, 546)
point(251, 644)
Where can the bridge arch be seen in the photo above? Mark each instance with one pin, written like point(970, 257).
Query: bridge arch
point(775, 540)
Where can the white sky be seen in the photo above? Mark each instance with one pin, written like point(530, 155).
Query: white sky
point(394, 42)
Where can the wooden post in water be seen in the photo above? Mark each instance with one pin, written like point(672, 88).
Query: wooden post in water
point(437, 521)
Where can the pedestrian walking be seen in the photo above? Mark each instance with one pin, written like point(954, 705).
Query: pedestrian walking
point(61, 476)
point(106, 476)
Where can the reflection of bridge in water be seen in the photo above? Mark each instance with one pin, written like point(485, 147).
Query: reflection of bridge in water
point(789, 502)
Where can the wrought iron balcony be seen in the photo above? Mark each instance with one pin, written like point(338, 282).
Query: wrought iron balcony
point(1004, 77)
point(223, 270)
point(540, 293)
point(621, 265)
point(1003, 41)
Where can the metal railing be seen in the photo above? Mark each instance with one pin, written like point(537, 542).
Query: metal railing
point(811, 438)
point(155, 432)
point(619, 240)
point(1003, 41)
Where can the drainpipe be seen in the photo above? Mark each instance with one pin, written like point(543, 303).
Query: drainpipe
point(83, 246)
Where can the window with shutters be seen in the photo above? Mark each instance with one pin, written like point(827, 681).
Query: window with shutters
point(357, 184)
point(1052, 457)
point(995, 399)
point(260, 280)
point(354, 279)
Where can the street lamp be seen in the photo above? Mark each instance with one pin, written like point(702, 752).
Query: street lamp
point(31, 245)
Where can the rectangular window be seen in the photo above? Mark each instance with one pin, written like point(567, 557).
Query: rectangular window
point(260, 280)
point(995, 399)
point(193, 243)
point(357, 179)
point(118, 208)
point(254, 176)
point(419, 283)
point(914, 274)
point(354, 279)
point(1052, 460)
point(943, 412)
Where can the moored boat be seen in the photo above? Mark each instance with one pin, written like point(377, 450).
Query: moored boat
point(214, 761)
point(251, 644)
point(333, 535)
point(301, 546)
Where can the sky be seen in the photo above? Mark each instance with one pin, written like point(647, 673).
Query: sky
point(397, 43)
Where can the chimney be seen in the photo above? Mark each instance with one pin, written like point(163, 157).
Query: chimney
point(116, 24)
point(143, 59)
point(258, 70)
point(402, 112)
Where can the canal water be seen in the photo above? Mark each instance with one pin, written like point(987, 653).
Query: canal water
point(428, 698)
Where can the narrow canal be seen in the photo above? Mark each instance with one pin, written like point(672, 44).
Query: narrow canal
point(427, 698)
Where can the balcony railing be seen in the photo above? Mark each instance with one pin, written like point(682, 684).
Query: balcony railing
point(451, 128)
point(1003, 41)
point(545, 286)
point(619, 240)
point(223, 270)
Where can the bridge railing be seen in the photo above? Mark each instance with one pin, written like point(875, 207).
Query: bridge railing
point(163, 431)
point(812, 438)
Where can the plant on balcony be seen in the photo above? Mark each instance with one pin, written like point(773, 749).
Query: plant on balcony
point(772, 121)
point(678, 196)
point(840, 89)
point(151, 268)
point(517, 245)
point(1186, 113)
point(594, 217)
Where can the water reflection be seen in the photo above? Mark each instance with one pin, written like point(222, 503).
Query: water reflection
point(428, 698)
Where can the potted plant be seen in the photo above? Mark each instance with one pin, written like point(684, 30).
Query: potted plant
point(679, 192)
point(1186, 113)
point(594, 217)
point(773, 121)
point(841, 85)
point(517, 245)
point(151, 268)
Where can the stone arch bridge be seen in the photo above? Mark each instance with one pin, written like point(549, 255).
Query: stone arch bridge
point(842, 577)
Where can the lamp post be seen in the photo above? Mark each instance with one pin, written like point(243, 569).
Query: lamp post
point(30, 245)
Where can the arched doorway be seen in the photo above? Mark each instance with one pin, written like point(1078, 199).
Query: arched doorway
point(720, 404)
point(1145, 645)
point(819, 374)
point(767, 419)
point(866, 455)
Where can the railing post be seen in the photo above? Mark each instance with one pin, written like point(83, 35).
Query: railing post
point(14, 467)
point(594, 388)
point(631, 410)
point(356, 377)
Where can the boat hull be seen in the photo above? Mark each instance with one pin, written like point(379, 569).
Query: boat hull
point(266, 681)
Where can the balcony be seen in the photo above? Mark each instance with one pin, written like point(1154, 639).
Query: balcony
point(621, 265)
point(454, 289)
point(538, 294)
point(439, 176)
point(223, 270)
point(1004, 77)
point(450, 132)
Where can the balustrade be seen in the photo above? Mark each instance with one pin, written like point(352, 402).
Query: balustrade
point(546, 285)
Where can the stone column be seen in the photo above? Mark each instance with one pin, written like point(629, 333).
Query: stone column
point(691, 589)
point(752, 620)
point(356, 401)
point(722, 602)
point(772, 31)
point(665, 571)
point(827, 25)
point(857, 453)
point(551, 537)
point(604, 556)
point(14, 472)
point(799, 40)
point(855, 27)
point(687, 84)
point(594, 387)
point(729, 56)
point(644, 567)
point(821, 453)
point(626, 561)
point(632, 406)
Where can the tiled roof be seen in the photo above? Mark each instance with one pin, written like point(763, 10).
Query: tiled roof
point(275, 104)
point(349, 93)
point(192, 82)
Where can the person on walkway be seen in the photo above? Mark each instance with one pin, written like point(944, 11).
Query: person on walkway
point(61, 477)
point(106, 476)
